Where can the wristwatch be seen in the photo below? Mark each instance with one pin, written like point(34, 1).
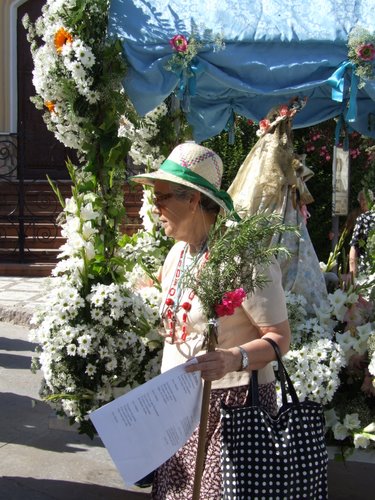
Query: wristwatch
point(244, 359)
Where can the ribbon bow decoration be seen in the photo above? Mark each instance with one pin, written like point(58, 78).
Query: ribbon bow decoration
point(337, 82)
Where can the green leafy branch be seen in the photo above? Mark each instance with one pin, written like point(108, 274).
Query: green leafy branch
point(237, 253)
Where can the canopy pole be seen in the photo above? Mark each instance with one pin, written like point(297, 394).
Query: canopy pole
point(202, 435)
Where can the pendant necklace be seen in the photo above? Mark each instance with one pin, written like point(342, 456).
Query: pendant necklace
point(172, 302)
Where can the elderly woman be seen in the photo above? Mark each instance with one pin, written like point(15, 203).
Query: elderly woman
point(187, 198)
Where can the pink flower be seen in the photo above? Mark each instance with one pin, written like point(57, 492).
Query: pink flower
point(264, 124)
point(179, 43)
point(358, 313)
point(366, 52)
point(229, 302)
point(224, 309)
point(237, 296)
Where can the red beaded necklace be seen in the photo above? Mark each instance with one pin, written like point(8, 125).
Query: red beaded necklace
point(172, 302)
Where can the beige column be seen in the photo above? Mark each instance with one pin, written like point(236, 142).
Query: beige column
point(4, 66)
point(8, 36)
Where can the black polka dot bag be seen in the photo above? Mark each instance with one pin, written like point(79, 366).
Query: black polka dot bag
point(282, 457)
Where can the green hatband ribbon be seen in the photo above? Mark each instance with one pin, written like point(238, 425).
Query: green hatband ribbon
point(184, 173)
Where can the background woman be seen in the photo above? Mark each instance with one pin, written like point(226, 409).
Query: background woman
point(187, 199)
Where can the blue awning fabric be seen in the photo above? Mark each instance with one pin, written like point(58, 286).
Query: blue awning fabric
point(274, 50)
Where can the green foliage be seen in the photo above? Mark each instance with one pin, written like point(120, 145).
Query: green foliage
point(371, 249)
point(317, 143)
point(234, 154)
point(173, 128)
point(237, 252)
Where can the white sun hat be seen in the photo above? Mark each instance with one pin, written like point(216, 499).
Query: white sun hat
point(194, 166)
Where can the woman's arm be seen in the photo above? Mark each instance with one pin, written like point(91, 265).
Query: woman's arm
point(353, 260)
point(214, 365)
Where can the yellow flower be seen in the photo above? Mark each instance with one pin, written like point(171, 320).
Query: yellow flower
point(62, 37)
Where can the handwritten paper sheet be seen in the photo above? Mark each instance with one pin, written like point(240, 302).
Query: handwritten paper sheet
point(146, 426)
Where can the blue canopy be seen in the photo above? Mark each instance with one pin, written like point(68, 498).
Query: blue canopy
point(274, 50)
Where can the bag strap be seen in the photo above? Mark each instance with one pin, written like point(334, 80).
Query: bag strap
point(285, 381)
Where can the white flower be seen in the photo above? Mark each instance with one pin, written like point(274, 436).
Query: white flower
point(370, 428)
point(84, 54)
point(340, 432)
point(82, 350)
point(331, 417)
point(323, 266)
point(88, 230)
point(149, 218)
point(85, 340)
point(106, 321)
point(351, 421)
point(96, 314)
point(363, 333)
point(70, 407)
point(347, 342)
point(360, 441)
point(70, 206)
point(371, 366)
point(88, 213)
point(71, 349)
point(103, 352)
point(338, 300)
point(89, 250)
point(90, 370)
point(111, 365)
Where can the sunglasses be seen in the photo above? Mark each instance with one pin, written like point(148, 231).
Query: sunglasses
point(160, 199)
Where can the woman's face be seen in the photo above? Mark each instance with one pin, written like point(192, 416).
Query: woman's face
point(175, 214)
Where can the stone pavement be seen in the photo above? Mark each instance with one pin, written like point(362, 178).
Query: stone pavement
point(18, 298)
point(41, 457)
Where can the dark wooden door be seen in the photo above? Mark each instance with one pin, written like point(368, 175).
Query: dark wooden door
point(39, 153)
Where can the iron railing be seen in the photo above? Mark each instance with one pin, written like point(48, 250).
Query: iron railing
point(28, 210)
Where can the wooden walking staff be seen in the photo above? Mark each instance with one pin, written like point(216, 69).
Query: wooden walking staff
point(201, 451)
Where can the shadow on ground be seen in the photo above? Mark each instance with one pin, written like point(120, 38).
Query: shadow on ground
point(24, 421)
point(28, 488)
point(8, 344)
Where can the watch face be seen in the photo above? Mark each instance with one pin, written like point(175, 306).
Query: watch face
point(245, 362)
point(245, 358)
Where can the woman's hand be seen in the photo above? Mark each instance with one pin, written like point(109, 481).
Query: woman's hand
point(215, 364)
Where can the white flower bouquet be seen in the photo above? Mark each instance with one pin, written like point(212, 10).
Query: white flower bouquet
point(68, 49)
point(330, 362)
point(93, 348)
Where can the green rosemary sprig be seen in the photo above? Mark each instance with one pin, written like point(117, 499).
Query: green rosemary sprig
point(237, 253)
